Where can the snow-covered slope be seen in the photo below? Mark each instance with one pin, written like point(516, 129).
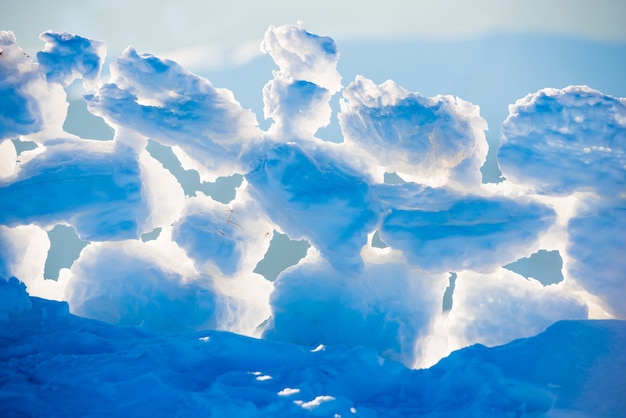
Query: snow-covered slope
point(53, 363)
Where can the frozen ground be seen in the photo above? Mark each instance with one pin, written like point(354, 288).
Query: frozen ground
point(53, 363)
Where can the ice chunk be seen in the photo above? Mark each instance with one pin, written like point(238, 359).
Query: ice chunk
point(299, 108)
point(301, 55)
point(159, 99)
point(298, 98)
point(93, 185)
point(430, 140)
point(597, 242)
point(164, 196)
point(223, 239)
point(313, 196)
point(388, 306)
point(441, 230)
point(135, 283)
point(561, 141)
point(28, 105)
point(67, 57)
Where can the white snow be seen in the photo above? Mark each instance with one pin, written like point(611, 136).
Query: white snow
point(67, 57)
point(298, 98)
point(341, 330)
point(560, 141)
point(52, 362)
point(161, 100)
point(430, 140)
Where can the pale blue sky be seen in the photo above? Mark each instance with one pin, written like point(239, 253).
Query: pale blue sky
point(163, 26)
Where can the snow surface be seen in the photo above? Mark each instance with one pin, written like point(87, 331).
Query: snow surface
point(53, 363)
point(174, 274)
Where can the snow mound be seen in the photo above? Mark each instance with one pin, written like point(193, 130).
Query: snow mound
point(51, 360)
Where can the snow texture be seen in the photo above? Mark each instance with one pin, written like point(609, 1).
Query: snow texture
point(597, 240)
point(431, 140)
point(159, 99)
point(302, 55)
point(561, 141)
point(131, 283)
point(312, 196)
point(340, 329)
point(298, 98)
point(388, 306)
point(441, 230)
point(29, 105)
point(80, 367)
point(96, 186)
point(67, 57)
point(221, 238)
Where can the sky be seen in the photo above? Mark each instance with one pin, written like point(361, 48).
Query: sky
point(161, 26)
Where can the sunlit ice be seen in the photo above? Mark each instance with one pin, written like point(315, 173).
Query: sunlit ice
point(405, 256)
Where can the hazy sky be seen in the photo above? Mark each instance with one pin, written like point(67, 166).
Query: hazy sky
point(163, 26)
